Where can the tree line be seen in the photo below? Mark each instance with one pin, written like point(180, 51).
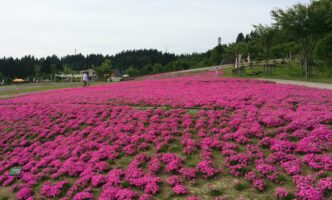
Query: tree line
point(30, 66)
point(304, 31)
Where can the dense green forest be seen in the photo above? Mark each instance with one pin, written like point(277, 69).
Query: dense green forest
point(303, 32)
point(138, 61)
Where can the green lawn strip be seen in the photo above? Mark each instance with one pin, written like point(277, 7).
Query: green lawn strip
point(20, 90)
point(281, 72)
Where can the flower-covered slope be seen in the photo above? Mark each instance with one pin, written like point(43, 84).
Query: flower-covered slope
point(190, 137)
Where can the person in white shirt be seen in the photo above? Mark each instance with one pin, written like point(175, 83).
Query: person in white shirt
point(85, 79)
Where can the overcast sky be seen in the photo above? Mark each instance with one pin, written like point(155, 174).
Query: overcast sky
point(46, 27)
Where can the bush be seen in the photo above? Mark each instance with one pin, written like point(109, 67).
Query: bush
point(132, 71)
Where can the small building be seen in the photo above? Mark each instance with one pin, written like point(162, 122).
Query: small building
point(116, 75)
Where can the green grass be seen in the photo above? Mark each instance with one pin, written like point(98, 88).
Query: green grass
point(240, 186)
point(284, 72)
point(19, 89)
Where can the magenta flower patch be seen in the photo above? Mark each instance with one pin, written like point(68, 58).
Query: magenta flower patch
point(168, 138)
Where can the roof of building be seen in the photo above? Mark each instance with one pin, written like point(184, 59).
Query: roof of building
point(116, 73)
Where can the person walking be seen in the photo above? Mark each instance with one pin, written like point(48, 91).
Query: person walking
point(85, 79)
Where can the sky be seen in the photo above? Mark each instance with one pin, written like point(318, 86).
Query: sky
point(47, 27)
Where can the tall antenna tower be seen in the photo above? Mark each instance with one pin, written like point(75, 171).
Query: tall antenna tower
point(219, 40)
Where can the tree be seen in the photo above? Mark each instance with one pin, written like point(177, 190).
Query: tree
point(104, 68)
point(36, 69)
point(77, 62)
point(323, 50)
point(247, 38)
point(141, 58)
point(321, 17)
point(216, 55)
point(46, 65)
point(306, 24)
point(2, 76)
point(67, 69)
point(265, 38)
point(240, 38)
point(157, 68)
point(233, 51)
point(255, 50)
point(132, 71)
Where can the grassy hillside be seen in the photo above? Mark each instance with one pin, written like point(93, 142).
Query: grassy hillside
point(323, 75)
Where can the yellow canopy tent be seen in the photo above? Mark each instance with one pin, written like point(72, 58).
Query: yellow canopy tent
point(18, 80)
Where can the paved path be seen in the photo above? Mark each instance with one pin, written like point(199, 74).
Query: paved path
point(302, 83)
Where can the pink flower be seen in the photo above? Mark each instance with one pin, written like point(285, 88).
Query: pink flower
point(206, 167)
point(98, 180)
point(52, 190)
point(259, 184)
point(268, 171)
point(173, 162)
point(145, 197)
point(114, 177)
point(305, 188)
point(117, 193)
point(127, 138)
point(281, 193)
point(292, 167)
point(325, 184)
point(83, 196)
point(188, 173)
point(179, 189)
point(174, 180)
point(24, 193)
point(250, 176)
point(154, 166)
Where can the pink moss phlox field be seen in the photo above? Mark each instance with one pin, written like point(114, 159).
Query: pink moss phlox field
point(162, 137)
